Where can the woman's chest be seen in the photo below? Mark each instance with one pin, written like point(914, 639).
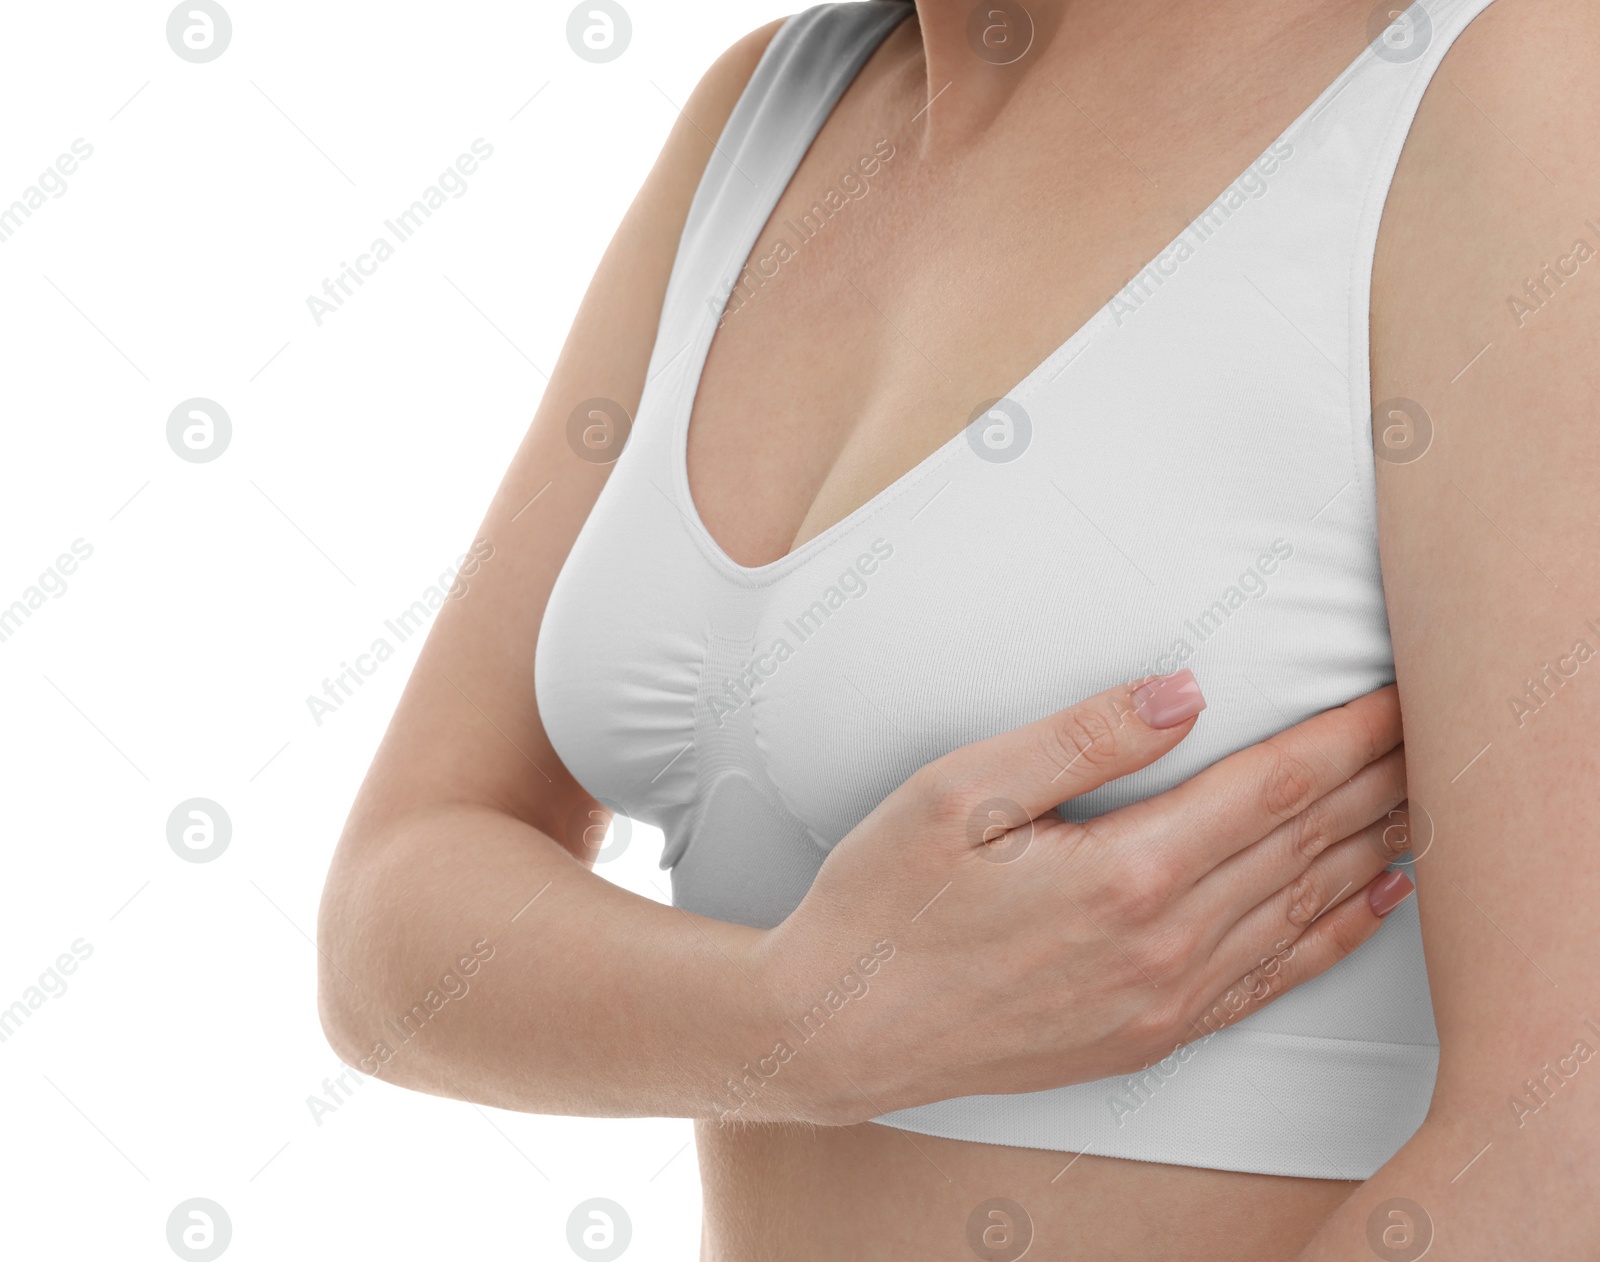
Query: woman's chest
point(1210, 515)
point(890, 294)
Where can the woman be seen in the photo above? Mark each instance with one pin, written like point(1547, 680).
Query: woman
point(899, 609)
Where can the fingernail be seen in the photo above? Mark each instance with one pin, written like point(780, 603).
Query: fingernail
point(1388, 892)
point(1168, 701)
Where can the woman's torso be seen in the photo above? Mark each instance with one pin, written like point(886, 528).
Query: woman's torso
point(1184, 477)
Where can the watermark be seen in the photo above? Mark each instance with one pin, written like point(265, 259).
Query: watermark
point(999, 1230)
point(1248, 187)
point(599, 1230)
point(199, 830)
point(852, 985)
point(52, 181)
point(1539, 1090)
point(1000, 32)
point(50, 585)
point(402, 227)
point(1399, 33)
point(199, 1230)
point(199, 430)
point(337, 1091)
point(849, 187)
point(450, 585)
point(598, 429)
point(52, 984)
point(452, 985)
point(1139, 1089)
point(1402, 430)
point(1541, 689)
point(1538, 290)
point(1399, 1230)
point(799, 630)
point(1205, 623)
point(601, 832)
point(1000, 830)
point(1409, 830)
point(999, 431)
point(599, 30)
point(199, 30)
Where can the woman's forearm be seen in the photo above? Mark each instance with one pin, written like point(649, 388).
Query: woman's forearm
point(1472, 1185)
point(466, 954)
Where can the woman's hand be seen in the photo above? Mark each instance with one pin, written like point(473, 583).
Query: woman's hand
point(1016, 952)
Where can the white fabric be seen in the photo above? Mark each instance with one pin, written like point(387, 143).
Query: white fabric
point(1197, 489)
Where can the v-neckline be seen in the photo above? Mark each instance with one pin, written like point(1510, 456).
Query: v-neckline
point(739, 251)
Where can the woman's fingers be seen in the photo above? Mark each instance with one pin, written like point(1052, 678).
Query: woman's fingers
point(1281, 920)
point(1240, 883)
point(1237, 801)
point(1046, 762)
point(1327, 940)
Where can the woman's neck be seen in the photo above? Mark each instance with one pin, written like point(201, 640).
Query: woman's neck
point(977, 60)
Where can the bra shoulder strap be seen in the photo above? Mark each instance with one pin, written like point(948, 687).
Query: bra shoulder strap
point(806, 67)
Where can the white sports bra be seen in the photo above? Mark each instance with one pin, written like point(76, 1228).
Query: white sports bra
point(1194, 466)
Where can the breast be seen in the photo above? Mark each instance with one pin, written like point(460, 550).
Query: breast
point(1193, 492)
point(1203, 519)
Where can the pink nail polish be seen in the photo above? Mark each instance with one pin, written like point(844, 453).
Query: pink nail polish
point(1388, 892)
point(1168, 701)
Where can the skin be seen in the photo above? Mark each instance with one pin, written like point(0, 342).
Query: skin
point(462, 829)
point(1492, 534)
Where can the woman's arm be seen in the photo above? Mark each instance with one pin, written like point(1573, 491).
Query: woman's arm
point(464, 815)
point(1490, 541)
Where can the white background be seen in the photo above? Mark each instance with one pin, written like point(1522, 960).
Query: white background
point(176, 664)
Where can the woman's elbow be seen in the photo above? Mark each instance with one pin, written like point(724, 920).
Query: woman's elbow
point(344, 974)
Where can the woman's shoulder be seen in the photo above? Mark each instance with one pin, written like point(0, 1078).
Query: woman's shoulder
point(1517, 87)
point(1496, 183)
